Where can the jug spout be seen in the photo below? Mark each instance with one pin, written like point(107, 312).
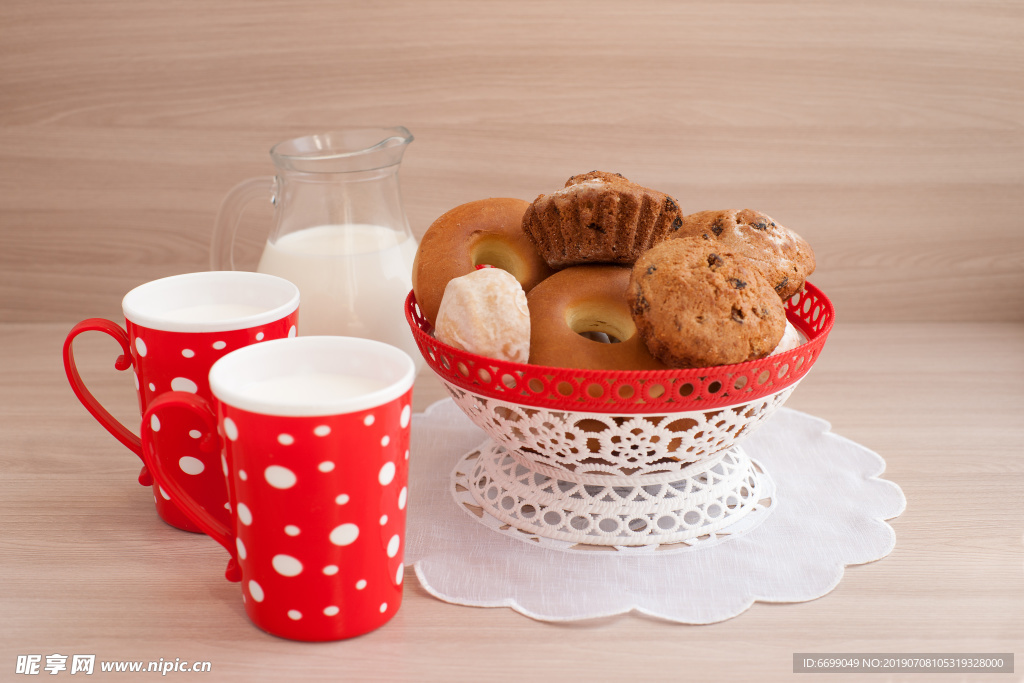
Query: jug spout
point(346, 151)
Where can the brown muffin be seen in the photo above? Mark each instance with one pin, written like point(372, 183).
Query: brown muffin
point(784, 257)
point(599, 217)
point(697, 305)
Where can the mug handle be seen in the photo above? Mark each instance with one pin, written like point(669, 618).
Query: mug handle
point(210, 442)
point(224, 228)
point(123, 362)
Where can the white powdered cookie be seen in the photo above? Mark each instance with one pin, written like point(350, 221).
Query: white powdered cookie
point(485, 313)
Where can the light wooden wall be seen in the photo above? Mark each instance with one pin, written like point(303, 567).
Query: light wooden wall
point(889, 133)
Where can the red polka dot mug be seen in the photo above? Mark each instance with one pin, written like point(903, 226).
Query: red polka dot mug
point(314, 438)
point(176, 328)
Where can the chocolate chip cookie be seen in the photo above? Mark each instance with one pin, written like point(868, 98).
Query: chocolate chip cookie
point(785, 258)
point(697, 304)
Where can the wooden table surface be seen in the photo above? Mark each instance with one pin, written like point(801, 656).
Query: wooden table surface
point(88, 568)
point(887, 132)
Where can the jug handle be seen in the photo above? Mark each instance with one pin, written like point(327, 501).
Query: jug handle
point(231, 209)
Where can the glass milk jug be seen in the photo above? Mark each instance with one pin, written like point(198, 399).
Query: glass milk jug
point(340, 232)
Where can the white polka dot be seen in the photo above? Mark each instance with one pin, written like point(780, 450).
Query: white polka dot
point(402, 497)
point(230, 429)
point(224, 464)
point(240, 547)
point(400, 575)
point(227, 506)
point(219, 345)
point(188, 353)
point(285, 439)
point(154, 423)
point(243, 475)
point(291, 331)
point(393, 545)
point(152, 387)
point(292, 530)
point(331, 570)
point(163, 494)
point(195, 433)
point(406, 414)
point(137, 385)
point(342, 499)
point(322, 430)
point(286, 565)
point(406, 453)
point(386, 474)
point(256, 591)
point(383, 520)
point(190, 465)
point(294, 614)
point(368, 420)
point(331, 610)
point(184, 384)
point(259, 336)
point(279, 477)
point(383, 607)
point(360, 584)
point(344, 534)
point(140, 347)
point(244, 516)
point(325, 466)
point(385, 440)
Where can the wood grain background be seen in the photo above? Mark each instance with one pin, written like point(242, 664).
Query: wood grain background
point(888, 133)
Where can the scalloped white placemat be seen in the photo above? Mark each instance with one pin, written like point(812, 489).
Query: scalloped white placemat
point(829, 512)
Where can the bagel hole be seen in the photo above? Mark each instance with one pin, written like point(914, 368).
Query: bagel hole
point(491, 250)
point(601, 322)
point(600, 337)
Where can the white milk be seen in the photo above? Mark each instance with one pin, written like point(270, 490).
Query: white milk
point(210, 313)
point(306, 389)
point(352, 280)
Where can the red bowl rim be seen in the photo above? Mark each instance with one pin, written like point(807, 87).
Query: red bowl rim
point(634, 391)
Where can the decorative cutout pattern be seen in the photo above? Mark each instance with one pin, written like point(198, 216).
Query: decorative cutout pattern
point(725, 495)
point(604, 449)
point(652, 391)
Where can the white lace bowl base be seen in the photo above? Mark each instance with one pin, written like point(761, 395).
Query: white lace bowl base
point(701, 505)
point(625, 447)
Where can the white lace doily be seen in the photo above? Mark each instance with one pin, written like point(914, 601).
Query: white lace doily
point(828, 512)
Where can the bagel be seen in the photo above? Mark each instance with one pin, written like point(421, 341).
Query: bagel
point(583, 299)
point(486, 231)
